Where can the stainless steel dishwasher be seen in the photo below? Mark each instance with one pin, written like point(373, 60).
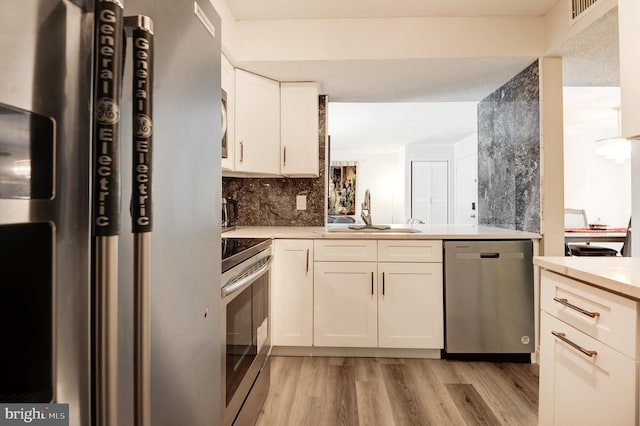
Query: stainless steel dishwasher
point(489, 306)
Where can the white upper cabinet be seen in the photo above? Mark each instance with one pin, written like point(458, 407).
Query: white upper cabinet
point(272, 127)
point(257, 117)
point(299, 129)
point(228, 82)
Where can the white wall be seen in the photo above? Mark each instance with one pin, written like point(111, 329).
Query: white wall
point(628, 18)
point(591, 182)
point(383, 174)
point(467, 147)
point(388, 38)
point(558, 28)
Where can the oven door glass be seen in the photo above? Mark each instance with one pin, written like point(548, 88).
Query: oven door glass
point(245, 314)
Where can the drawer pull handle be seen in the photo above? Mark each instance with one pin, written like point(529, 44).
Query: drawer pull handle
point(562, 337)
point(576, 308)
point(307, 261)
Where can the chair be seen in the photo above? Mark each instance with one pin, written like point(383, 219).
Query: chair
point(626, 246)
point(577, 218)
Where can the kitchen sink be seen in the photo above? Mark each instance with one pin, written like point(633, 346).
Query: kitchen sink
point(374, 230)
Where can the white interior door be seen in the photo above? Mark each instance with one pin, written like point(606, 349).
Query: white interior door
point(467, 189)
point(430, 191)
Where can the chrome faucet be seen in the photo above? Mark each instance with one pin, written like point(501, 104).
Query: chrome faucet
point(366, 209)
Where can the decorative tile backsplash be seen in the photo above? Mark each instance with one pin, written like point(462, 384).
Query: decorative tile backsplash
point(272, 201)
point(509, 154)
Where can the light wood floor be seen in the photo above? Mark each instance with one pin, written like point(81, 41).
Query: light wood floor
point(386, 392)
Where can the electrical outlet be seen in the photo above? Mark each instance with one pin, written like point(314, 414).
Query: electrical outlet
point(301, 202)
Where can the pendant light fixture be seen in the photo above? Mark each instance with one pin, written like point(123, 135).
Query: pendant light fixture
point(615, 148)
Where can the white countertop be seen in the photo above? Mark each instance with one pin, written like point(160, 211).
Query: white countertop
point(427, 232)
point(617, 274)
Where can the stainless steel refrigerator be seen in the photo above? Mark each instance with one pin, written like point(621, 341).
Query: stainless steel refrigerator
point(52, 295)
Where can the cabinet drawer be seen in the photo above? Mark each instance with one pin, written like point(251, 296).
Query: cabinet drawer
point(345, 250)
point(410, 251)
point(571, 381)
point(605, 316)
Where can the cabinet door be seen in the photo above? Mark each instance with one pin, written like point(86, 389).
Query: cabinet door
point(345, 304)
point(299, 129)
point(228, 82)
point(410, 313)
point(257, 124)
point(292, 294)
point(577, 389)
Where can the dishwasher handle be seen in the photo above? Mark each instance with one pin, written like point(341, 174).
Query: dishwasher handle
point(489, 255)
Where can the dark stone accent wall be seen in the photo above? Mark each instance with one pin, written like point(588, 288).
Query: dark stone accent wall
point(509, 154)
point(272, 201)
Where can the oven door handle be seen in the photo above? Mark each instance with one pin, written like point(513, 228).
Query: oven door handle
point(237, 284)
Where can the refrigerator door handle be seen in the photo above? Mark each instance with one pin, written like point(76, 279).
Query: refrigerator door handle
point(108, 31)
point(140, 29)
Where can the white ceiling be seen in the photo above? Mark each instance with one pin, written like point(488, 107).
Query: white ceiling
point(402, 80)
point(328, 9)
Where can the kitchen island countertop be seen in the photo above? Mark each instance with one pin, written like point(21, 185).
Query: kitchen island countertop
point(616, 274)
point(426, 232)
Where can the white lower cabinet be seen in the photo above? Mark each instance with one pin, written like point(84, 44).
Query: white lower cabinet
point(589, 374)
point(292, 293)
point(578, 387)
point(361, 302)
point(345, 304)
point(410, 305)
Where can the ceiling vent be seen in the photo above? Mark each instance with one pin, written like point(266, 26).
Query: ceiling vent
point(579, 7)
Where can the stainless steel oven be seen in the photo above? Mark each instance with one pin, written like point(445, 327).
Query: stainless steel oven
point(245, 328)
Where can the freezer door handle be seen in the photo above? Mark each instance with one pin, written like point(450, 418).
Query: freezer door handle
point(140, 29)
point(108, 35)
